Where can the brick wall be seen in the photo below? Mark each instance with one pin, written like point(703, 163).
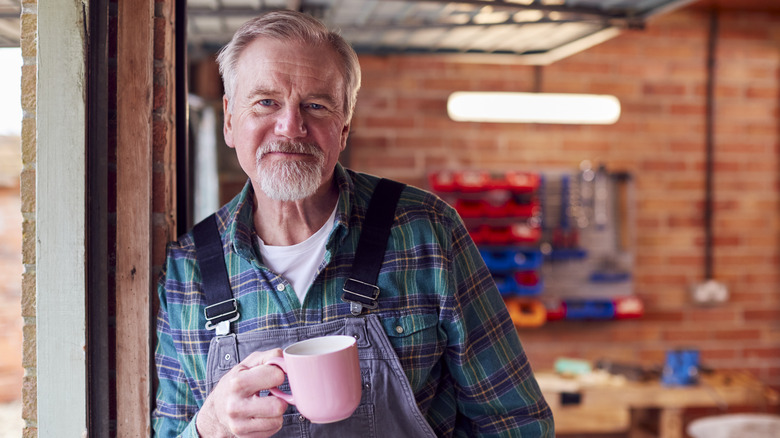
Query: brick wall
point(163, 133)
point(401, 130)
point(29, 52)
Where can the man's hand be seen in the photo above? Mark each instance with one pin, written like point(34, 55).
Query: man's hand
point(235, 409)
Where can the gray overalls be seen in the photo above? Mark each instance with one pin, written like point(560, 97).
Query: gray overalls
point(387, 408)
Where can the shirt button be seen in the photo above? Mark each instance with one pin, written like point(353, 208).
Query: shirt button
point(280, 287)
point(227, 356)
point(301, 418)
point(399, 329)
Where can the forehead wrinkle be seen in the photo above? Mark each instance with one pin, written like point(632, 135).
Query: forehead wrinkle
point(282, 67)
point(281, 76)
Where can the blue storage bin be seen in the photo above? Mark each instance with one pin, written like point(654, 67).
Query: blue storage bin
point(508, 286)
point(528, 260)
point(562, 254)
point(505, 283)
point(609, 276)
point(590, 309)
point(528, 290)
point(505, 259)
point(498, 260)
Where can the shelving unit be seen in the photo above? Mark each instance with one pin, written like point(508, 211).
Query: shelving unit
point(557, 243)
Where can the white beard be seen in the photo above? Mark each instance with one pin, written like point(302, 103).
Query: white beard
point(290, 180)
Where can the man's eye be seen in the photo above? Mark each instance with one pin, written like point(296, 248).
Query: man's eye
point(316, 106)
point(265, 102)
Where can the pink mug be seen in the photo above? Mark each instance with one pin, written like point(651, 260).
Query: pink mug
point(324, 376)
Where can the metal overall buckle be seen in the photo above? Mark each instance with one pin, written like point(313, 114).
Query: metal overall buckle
point(359, 295)
point(223, 319)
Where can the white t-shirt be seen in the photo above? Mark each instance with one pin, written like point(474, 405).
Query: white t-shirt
point(298, 263)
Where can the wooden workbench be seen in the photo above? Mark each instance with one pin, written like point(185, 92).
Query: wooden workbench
point(611, 404)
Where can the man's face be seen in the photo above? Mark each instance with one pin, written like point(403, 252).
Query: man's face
point(287, 121)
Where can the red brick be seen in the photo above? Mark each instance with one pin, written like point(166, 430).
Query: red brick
point(686, 335)
point(736, 334)
point(397, 122)
point(422, 105)
point(709, 354)
point(664, 89)
point(673, 316)
point(769, 353)
point(159, 134)
point(687, 110)
point(160, 97)
point(764, 315)
point(160, 40)
point(713, 315)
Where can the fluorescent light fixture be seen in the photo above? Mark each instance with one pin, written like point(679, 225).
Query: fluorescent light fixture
point(588, 109)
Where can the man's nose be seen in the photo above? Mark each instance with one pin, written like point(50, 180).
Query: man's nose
point(290, 123)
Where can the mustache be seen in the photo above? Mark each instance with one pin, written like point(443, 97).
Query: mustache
point(292, 147)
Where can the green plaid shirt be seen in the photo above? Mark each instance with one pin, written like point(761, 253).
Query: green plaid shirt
point(459, 348)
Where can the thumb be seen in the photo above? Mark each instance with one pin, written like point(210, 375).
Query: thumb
point(260, 357)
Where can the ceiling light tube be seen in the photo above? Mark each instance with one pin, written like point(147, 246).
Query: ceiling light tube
point(499, 107)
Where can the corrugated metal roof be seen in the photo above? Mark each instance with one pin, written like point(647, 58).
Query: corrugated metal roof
point(529, 31)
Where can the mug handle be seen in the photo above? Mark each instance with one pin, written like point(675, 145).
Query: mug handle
point(279, 362)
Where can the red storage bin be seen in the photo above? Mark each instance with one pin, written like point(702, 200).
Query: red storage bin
point(527, 278)
point(516, 209)
point(471, 181)
point(497, 235)
point(472, 208)
point(628, 307)
point(524, 233)
point(442, 181)
point(479, 235)
point(556, 310)
point(521, 182)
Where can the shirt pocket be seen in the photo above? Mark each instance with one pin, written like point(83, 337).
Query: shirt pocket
point(418, 343)
point(408, 328)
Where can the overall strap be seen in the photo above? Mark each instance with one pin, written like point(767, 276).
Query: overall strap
point(360, 289)
point(221, 308)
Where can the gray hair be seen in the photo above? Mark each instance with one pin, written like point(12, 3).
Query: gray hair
point(285, 25)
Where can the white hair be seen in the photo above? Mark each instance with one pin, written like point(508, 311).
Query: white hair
point(287, 25)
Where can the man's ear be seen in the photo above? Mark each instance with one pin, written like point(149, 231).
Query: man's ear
point(344, 135)
point(227, 125)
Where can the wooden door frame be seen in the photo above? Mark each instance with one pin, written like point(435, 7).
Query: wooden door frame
point(135, 66)
point(151, 147)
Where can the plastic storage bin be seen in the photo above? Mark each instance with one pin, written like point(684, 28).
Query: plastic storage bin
point(736, 426)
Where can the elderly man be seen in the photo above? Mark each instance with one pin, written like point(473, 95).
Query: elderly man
point(309, 248)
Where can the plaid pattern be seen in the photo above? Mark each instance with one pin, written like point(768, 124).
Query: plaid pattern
point(438, 305)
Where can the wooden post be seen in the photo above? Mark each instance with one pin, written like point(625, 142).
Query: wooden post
point(134, 215)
